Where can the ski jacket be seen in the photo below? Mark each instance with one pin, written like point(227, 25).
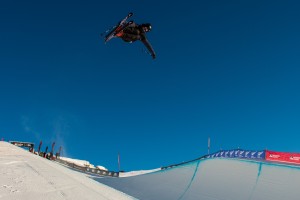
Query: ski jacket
point(135, 32)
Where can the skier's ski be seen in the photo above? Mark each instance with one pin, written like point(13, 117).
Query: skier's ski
point(122, 27)
point(119, 27)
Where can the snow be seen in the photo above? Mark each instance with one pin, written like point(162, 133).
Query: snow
point(24, 175)
point(82, 163)
point(214, 179)
point(136, 173)
point(27, 176)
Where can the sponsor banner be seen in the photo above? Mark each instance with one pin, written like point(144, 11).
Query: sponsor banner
point(293, 158)
point(22, 144)
point(239, 153)
point(261, 155)
point(102, 172)
point(95, 171)
point(247, 154)
point(212, 155)
point(231, 153)
point(78, 167)
point(227, 154)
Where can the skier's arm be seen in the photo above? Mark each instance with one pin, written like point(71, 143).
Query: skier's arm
point(149, 47)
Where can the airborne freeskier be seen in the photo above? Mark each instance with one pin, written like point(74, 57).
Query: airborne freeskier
point(131, 32)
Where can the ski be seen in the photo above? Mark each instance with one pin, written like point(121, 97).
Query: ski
point(119, 27)
point(122, 27)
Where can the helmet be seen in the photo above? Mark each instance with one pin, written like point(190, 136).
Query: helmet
point(146, 27)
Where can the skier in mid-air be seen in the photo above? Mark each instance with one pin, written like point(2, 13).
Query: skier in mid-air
point(131, 32)
point(134, 32)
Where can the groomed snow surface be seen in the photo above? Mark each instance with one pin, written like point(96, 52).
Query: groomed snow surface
point(26, 176)
point(214, 179)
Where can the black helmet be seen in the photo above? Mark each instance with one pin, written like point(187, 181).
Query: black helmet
point(146, 27)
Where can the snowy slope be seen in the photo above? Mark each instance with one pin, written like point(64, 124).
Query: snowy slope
point(214, 179)
point(24, 175)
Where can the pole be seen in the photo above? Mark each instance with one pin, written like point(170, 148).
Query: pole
point(119, 165)
point(52, 149)
point(40, 145)
point(208, 145)
point(60, 150)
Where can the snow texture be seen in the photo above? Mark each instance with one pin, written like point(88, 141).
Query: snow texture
point(27, 176)
point(214, 179)
point(24, 175)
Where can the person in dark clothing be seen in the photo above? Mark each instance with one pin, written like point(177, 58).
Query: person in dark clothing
point(134, 32)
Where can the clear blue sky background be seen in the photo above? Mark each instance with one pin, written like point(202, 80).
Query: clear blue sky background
point(225, 69)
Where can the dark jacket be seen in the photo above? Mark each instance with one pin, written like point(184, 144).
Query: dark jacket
point(135, 32)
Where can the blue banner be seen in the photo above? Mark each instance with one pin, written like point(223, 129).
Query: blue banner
point(238, 153)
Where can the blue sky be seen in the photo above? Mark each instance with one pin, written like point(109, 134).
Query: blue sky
point(228, 70)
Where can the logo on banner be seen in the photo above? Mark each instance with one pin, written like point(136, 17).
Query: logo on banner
point(236, 153)
point(274, 156)
point(226, 153)
point(260, 154)
point(246, 154)
point(295, 158)
point(241, 153)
